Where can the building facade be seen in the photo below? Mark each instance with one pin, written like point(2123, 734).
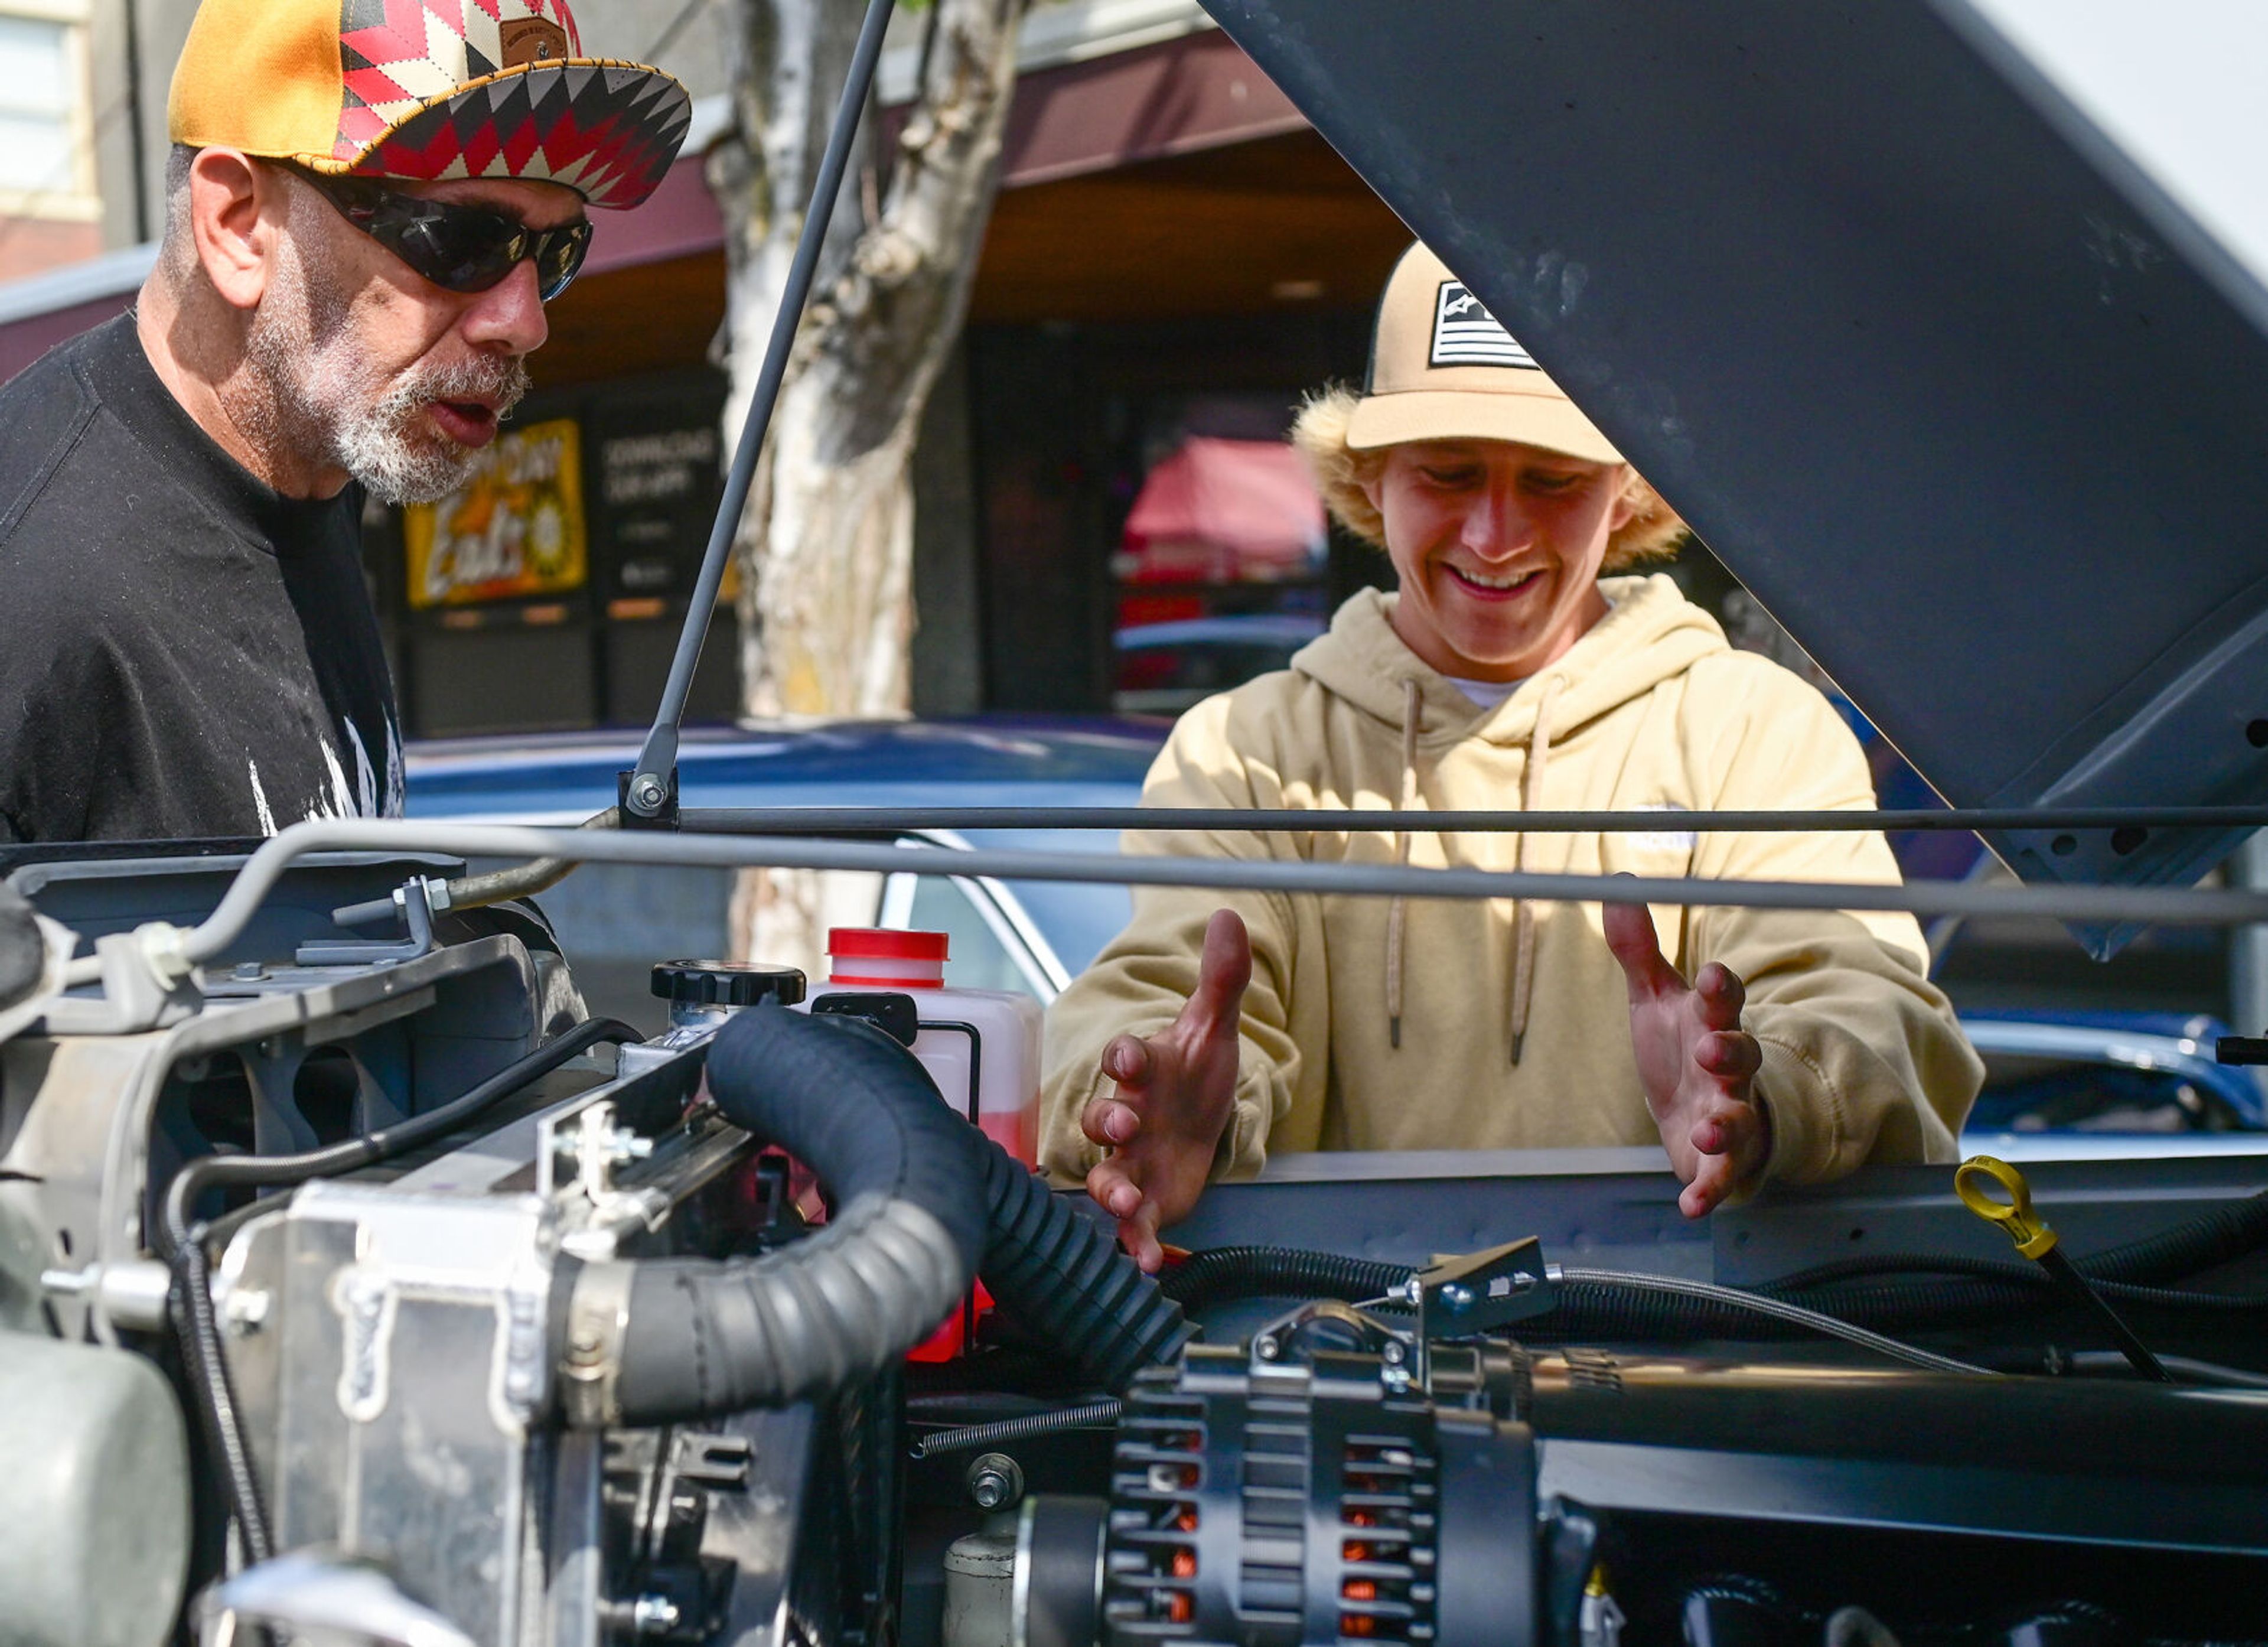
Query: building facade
point(1173, 258)
point(51, 115)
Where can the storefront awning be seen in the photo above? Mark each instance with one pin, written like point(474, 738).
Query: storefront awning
point(1224, 512)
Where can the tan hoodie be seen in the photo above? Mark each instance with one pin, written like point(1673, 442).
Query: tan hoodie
point(1512, 1022)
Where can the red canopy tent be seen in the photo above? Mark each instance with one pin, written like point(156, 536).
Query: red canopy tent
point(1224, 512)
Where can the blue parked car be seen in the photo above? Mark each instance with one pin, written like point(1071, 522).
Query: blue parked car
point(616, 920)
point(1166, 667)
point(2111, 1074)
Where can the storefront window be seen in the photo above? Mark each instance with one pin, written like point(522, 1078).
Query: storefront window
point(547, 592)
point(39, 109)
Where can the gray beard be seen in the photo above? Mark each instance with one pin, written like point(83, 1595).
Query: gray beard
point(391, 448)
point(324, 400)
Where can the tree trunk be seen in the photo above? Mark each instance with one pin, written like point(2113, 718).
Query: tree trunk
point(825, 551)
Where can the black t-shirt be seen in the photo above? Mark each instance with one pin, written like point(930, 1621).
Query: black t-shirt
point(183, 653)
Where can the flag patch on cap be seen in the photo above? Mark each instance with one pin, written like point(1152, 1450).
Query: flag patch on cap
point(1467, 334)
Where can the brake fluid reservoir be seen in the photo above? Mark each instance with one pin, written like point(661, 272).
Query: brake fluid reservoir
point(981, 1046)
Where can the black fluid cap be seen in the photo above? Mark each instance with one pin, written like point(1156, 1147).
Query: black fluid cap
point(727, 983)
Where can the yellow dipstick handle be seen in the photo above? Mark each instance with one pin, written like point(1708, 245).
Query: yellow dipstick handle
point(1975, 1180)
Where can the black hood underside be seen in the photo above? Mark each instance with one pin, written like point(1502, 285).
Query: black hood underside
point(1963, 398)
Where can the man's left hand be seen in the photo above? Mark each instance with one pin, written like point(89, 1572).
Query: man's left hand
point(1697, 1064)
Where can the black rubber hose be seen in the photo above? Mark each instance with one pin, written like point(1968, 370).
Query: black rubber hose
point(923, 1201)
point(270, 1171)
point(1063, 1276)
point(199, 1331)
point(905, 1178)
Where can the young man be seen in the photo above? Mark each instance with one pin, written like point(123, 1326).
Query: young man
point(363, 226)
point(1504, 674)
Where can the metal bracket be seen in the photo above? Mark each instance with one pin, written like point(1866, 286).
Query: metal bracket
point(141, 988)
point(1481, 1292)
point(1323, 1324)
point(643, 808)
point(598, 1314)
point(415, 899)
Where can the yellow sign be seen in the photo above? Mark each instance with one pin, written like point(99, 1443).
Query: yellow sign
point(515, 528)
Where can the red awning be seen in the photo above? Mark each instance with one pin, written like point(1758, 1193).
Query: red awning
point(1224, 512)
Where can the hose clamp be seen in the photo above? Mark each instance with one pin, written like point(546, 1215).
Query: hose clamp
point(590, 1374)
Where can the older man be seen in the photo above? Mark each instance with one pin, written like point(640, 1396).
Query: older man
point(366, 217)
point(1505, 674)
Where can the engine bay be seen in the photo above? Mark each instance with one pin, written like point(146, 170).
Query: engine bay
point(467, 1318)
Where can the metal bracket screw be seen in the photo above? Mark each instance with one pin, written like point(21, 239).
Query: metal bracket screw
point(596, 1147)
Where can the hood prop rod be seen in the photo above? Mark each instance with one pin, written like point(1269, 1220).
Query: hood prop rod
point(649, 792)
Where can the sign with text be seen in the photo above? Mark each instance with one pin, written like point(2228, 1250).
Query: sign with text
point(515, 530)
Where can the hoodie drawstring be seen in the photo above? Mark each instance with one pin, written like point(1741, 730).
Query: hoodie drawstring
point(1405, 797)
point(1523, 912)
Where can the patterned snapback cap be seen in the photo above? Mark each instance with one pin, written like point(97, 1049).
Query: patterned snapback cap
point(428, 90)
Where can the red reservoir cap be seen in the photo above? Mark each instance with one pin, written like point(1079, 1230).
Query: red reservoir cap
point(880, 957)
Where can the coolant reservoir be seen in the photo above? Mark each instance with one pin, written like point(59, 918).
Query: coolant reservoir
point(981, 1046)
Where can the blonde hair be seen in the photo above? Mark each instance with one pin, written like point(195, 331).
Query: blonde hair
point(1652, 532)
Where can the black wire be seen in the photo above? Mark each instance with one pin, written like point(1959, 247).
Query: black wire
point(1829, 1277)
point(190, 1305)
point(267, 1171)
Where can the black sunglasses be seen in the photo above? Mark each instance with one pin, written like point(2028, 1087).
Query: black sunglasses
point(462, 248)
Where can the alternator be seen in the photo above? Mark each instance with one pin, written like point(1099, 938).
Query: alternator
point(1281, 1503)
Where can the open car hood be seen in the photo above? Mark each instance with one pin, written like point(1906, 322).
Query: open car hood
point(1966, 400)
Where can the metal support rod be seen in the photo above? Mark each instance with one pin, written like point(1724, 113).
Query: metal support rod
point(1318, 821)
point(649, 785)
point(177, 950)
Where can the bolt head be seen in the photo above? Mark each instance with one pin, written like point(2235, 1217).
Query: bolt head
point(649, 793)
point(655, 1616)
point(1267, 1349)
point(995, 1482)
point(1457, 1297)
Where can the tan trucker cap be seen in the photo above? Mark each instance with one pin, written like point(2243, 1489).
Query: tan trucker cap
point(1441, 368)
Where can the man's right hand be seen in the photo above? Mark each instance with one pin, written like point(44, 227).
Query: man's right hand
point(1174, 1093)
